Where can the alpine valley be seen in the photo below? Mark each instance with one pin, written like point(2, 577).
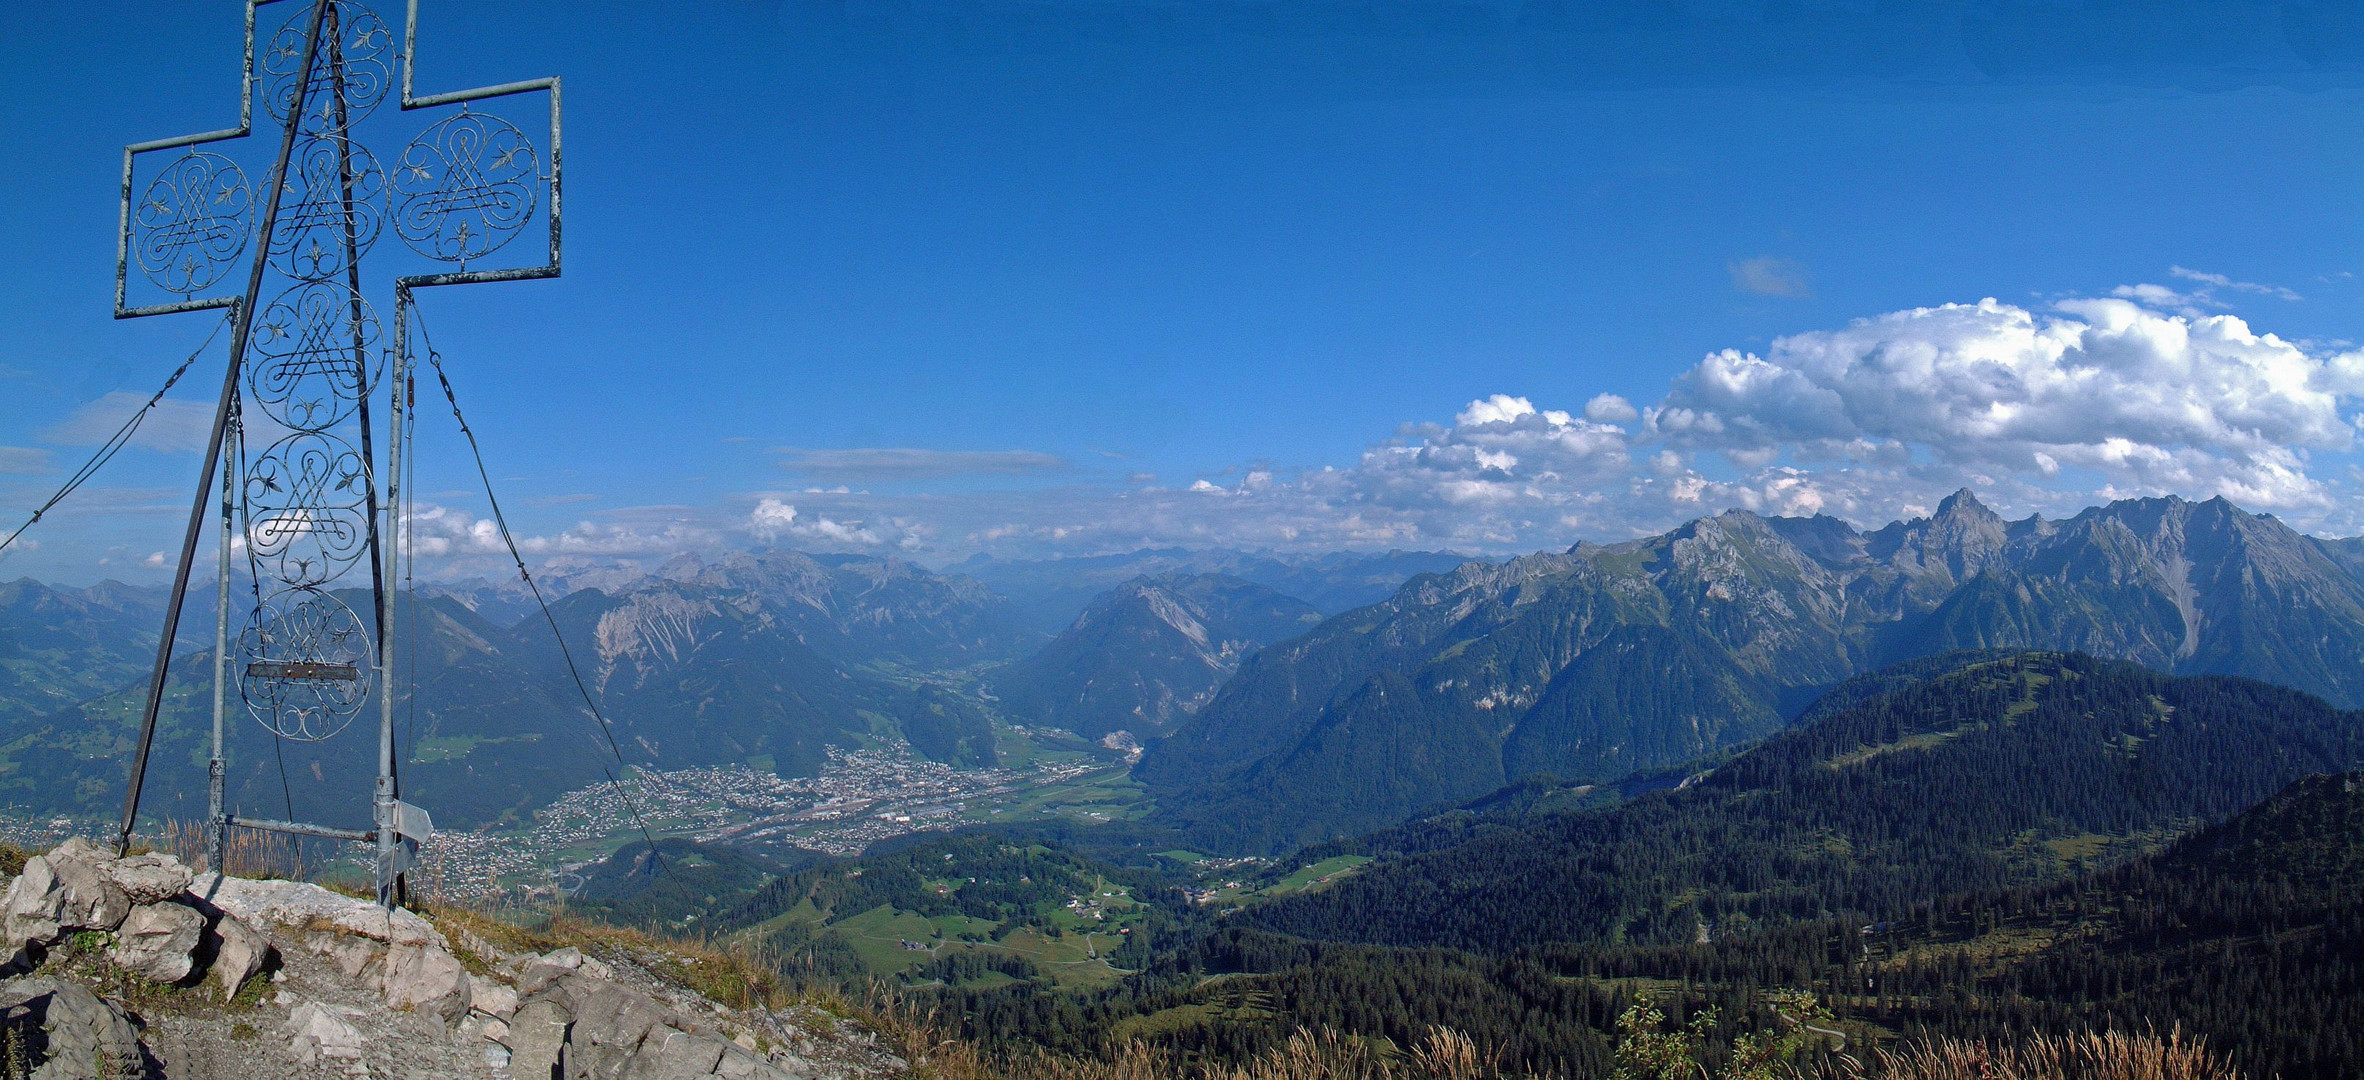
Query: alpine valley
point(1957, 776)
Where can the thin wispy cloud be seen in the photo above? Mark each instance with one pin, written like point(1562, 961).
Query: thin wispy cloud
point(24, 460)
point(2201, 296)
point(177, 426)
point(905, 463)
point(1769, 275)
point(2220, 281)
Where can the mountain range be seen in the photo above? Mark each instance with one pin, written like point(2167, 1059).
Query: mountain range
point(1606, 660)
point(767, 658)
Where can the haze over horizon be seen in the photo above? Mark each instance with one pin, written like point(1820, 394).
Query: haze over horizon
point(1073, 283)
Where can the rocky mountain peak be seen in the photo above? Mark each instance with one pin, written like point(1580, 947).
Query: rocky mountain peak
point(1964, 504)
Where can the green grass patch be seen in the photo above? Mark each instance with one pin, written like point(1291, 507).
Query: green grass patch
point(1316, 876)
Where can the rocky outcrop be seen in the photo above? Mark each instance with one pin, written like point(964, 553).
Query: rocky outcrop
point(66, 1032)
point(575, 1017)
point(62, 892)
point(352, 990)
point(161, 931)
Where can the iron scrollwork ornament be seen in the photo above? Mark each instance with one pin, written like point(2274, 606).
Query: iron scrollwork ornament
point(307, 511)
point(330, 212)
point(350, 72)
point(315, 355)
point(194, 219)
point(467, 185)
point(309, 664)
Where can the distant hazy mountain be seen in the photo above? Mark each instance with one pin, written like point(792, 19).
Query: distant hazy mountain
point(1608, 659)
point(765, 658)
point(865, 610)
point(59, 645)
point(1050, 593)
point(1983, 771)
point(1148, 653)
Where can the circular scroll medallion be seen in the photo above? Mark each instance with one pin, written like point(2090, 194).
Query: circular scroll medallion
point(314, 355)
point(309, 664)
point(307, 508)
point(334, 201)
point(465, 186)
point(193, 220)
point(350, 72)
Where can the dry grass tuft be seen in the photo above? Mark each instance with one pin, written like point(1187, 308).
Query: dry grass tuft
point(249, 853)
point(1443, 1054)
point(2110, 1055)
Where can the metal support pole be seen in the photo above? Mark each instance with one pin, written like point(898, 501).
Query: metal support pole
point(213, 446)
point(217, 769)
point(388, 880)
point(297, 828)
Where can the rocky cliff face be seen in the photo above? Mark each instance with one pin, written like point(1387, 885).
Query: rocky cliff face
point(1609, 659)
point(138, 968)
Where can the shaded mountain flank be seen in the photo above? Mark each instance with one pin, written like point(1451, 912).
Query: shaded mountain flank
point(1148, 653)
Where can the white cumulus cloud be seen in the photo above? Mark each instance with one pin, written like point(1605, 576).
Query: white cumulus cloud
point(2147, 400)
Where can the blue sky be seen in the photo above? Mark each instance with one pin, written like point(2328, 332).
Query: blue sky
point(1018, 276)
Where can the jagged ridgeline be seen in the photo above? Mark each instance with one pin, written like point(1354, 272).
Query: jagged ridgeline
point(1593, 664)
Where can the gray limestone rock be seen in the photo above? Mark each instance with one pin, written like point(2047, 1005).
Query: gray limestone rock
point(740, 1064)
point(426, 979)
point(610, 1024)
point(147, 879)
point(541, 972)
point(56, 895)
point(239, 953)
point(491, 997)
point(324, 1033)
point(537, 1037)
point(670, 1054)
point(354, 957)
point(67, 1032)
point(158, 942)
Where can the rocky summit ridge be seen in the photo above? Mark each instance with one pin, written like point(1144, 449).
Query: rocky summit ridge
point(137, 967)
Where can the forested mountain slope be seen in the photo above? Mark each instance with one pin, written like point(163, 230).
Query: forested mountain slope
point(2249, 934)
point(1987, 773)
point(1605, 660)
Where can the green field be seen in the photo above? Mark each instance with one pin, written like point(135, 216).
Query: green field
point(1109, 794)
point(1316, 876)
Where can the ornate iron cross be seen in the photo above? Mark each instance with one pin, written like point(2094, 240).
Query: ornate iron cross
point(314, 500)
